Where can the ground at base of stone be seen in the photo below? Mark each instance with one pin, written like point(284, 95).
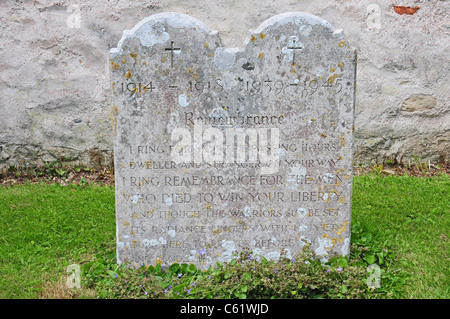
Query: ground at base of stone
point(106, 176)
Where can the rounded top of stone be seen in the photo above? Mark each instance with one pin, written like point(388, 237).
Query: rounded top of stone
point(174, 19)
point(181, 20)
point(302, 19)
point(299, 18)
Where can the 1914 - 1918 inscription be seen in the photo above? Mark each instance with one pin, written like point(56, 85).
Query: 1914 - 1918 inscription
point(219, 150)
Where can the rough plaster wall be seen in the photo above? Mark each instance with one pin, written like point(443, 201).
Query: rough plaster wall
point(54, 71)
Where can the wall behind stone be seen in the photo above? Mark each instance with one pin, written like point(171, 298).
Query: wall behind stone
point(54, 71)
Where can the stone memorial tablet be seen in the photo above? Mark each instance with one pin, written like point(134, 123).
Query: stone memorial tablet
point(221, 150)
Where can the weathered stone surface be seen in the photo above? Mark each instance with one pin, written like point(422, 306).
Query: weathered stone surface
point(222, 149)
point(419, 102)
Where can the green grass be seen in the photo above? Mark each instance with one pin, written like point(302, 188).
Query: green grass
point(412, 215)
point(46, 227)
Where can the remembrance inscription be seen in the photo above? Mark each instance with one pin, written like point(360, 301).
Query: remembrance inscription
point(220, 150)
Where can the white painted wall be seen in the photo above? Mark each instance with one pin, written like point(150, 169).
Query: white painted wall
point(54, 80)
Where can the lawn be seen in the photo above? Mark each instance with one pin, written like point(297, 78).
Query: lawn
point(46, 227)
point(412, 215)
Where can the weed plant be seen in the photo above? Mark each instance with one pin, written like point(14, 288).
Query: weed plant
point(248, 276)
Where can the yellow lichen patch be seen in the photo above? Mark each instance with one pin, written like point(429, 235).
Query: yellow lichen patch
point(262, 35)
point(260, 56)
point(217, 231)
point(341, 44)
point(115, 66)
point(325, 235)
point(323, 135)
point(128, 75)
point(114, 110)
point(340, 65)
point(124, 60)
point(208, 206)
point(163, 60)
point(253, 38)
point(133, 55)
point(332, 69)
point(332, 78)
point(293, 71)
point(190, 71)
point(206, 45)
